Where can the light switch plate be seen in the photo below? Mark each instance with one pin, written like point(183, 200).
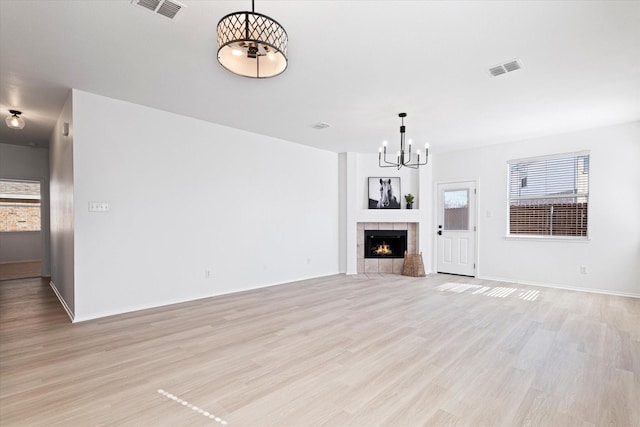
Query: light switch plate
point(98, 207)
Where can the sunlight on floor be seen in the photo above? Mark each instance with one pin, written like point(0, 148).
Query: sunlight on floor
point(496, 292)
point(192, 407)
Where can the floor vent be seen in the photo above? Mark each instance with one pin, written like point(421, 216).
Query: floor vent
point(507, 67)
point(166, 8)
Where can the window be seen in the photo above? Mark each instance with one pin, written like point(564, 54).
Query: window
point(456, 210)
point(19, 205)
point(549, 196)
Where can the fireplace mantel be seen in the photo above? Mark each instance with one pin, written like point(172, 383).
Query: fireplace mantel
point(389, 215)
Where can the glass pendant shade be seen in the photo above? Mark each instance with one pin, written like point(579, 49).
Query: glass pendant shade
point(14, 121)
point(252, 45)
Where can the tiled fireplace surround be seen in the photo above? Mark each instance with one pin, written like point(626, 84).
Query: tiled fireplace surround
point(382, 265)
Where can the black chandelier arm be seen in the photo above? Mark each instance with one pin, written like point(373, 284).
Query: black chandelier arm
point(415, 165)
point(403, 161)
point(426, 159)
point(388, 163)
point(408, 159)
point(400, 163)
point(382, 157)
point(391, 165)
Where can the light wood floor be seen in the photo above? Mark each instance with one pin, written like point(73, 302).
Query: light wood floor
point(336, 351)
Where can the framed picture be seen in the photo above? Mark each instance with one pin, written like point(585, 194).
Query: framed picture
point(384, 193)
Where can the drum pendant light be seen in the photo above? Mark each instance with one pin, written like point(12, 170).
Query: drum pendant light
point(252, 44)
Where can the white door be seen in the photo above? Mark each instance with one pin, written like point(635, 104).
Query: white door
point(456, 231)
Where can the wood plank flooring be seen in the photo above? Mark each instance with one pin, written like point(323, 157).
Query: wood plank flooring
point(20, 270)
point(335, 351)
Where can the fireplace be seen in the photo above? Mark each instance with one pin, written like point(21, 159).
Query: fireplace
point(385, 243)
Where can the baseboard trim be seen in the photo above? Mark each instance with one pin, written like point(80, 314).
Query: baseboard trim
point(22, 261)
point(157, 304)
point(62, 301)
point(563, 287)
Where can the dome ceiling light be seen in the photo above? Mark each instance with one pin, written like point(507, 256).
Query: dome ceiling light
point(14, 121)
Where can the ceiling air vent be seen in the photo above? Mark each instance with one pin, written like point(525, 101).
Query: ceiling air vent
point(496, 71)
point(507, 67)
point(320, 125)
point(512, 66)
point(166, 8)
point(147, 4)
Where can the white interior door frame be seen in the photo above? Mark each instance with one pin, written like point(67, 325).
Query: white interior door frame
point(472, 185)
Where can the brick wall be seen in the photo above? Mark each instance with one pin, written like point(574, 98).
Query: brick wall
point(19, 217)
point(19, 205)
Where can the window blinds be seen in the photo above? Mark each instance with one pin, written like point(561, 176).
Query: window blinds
point(549, 196)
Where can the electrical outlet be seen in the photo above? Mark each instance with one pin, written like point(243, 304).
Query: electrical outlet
point(207, 274)
point(583, 269)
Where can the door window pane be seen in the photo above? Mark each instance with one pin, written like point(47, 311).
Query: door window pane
point(456, 210)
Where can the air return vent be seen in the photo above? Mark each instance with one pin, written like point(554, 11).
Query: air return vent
point(507, 67)
point(166, 8)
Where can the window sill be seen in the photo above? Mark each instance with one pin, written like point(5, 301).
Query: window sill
point(547, 238)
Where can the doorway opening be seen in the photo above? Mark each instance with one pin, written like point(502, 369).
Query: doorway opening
point(20, 229)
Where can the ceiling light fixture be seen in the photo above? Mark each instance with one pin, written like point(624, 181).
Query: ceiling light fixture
point(404, 156)
point(14, 121)
point(252, 44)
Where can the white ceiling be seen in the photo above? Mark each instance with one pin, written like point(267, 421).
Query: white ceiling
point(352, 64)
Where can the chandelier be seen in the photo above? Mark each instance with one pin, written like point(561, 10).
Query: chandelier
point(252, 44)
point(404, 155)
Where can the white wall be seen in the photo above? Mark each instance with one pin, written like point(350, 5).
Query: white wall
point(16, 246)
point(62, 221)
point(612, 254)
point(18, 162)
point(186, 196)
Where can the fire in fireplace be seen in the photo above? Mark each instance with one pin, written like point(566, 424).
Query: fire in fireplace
point(383, 249)
point(385, 243)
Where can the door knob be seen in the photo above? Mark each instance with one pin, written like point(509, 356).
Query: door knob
point(439, 232)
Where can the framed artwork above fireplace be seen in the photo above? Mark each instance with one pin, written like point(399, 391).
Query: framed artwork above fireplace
point(384, 193)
